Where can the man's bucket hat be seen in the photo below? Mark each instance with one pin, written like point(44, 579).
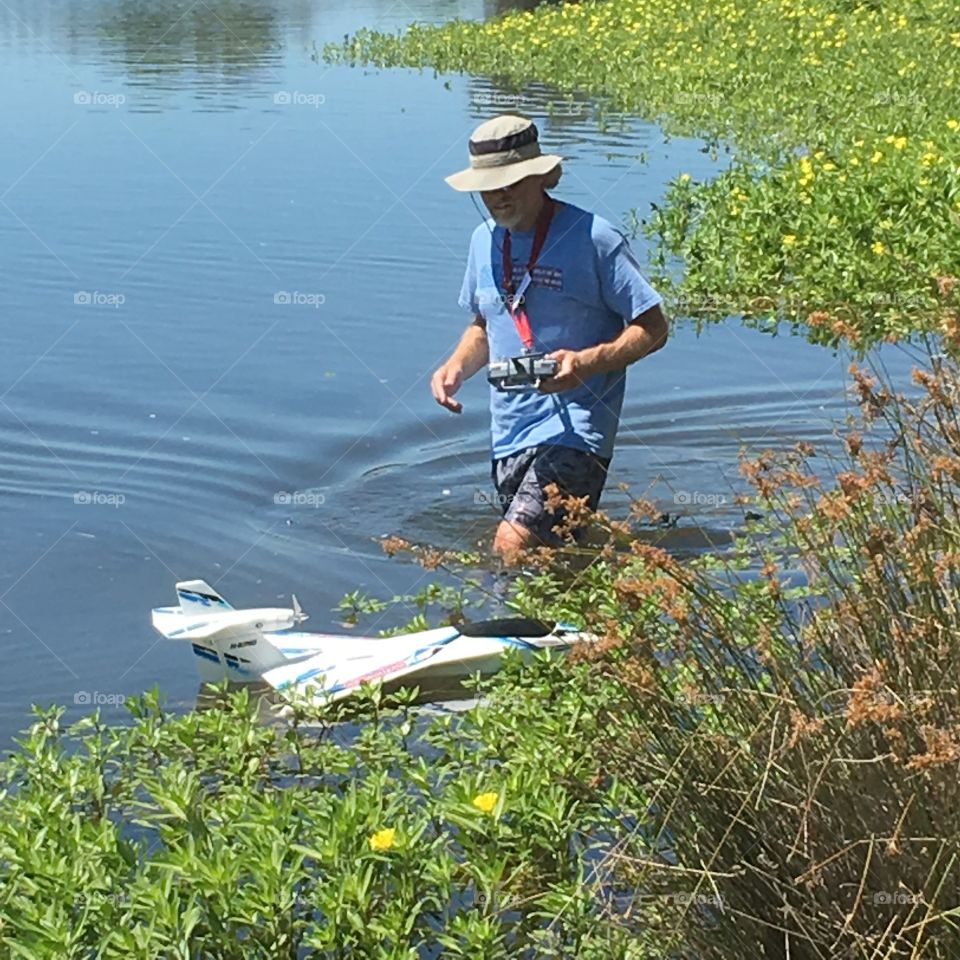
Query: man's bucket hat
point(502, 151)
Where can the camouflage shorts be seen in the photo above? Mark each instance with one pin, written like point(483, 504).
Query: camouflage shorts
point(521, 479)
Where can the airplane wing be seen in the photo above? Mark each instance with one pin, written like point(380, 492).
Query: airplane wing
point(212, 630)
point(333, 677)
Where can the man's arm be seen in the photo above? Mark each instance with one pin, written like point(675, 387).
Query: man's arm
point(644, 334)
point(471, 354)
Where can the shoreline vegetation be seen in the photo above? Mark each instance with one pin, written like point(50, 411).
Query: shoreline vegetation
point(840, 211)
point(763, 747)
point(761, 753)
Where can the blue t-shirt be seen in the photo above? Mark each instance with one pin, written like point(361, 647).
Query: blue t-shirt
point(586, 285)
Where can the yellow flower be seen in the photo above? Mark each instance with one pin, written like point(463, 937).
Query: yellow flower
point(486, 801)
point(953, 124)
point(684, 178)
point(929, 159)
point(789, 239)
point(899, 143)
point(382, 839)
point(879, 248)
point(877, 157)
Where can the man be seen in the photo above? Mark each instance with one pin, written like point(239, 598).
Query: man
point(585, 304)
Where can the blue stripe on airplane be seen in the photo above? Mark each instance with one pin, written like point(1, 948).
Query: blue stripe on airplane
point(203, 598)
point(193, 626)
point(205, 653)
point(518, 642)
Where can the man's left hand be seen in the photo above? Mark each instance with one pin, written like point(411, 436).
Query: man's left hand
point(571, 372)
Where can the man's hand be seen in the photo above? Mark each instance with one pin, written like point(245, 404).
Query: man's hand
point(445, 383)
point(643, 335)
point(471, 354)
point(571, 371)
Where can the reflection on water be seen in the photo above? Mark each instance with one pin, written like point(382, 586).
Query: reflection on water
point(560, 115)
point(213, 49)
point(227, 39)
point(273, 709)
point(494, 8)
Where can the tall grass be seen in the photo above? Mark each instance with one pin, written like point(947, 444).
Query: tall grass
point(793, 752)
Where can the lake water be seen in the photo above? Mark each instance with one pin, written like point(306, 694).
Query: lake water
point(172, 174)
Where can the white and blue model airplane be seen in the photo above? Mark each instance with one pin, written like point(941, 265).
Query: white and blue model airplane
point(264, 645)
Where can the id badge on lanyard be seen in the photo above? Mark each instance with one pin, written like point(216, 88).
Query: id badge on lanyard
point(514, 301)
point(521, 290)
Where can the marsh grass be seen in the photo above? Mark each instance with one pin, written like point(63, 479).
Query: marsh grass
point(789, 746)
point(798, 749)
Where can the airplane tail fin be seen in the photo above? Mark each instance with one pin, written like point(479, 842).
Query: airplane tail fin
point(197, 596)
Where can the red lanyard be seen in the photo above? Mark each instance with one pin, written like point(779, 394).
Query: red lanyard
point(519, 314)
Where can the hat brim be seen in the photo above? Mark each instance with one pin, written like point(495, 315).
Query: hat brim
point(496, 178)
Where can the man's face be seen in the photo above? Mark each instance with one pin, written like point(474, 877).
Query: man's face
point(515, 206)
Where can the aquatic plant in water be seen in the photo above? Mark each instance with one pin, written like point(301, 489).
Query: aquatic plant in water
point(840, 212)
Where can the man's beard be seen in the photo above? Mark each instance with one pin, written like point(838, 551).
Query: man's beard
point(508, 221)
